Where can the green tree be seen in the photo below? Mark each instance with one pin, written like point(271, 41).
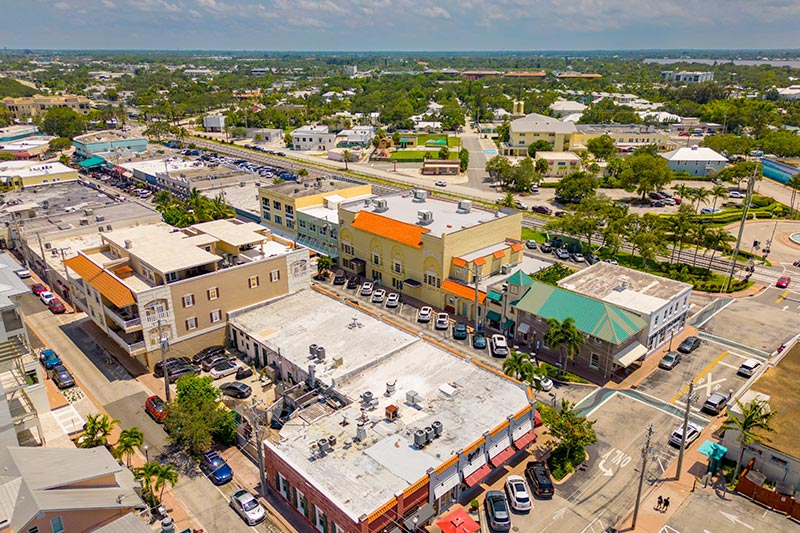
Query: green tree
point(258, 138)
point(647, 235)
point(518, 365)
point(523, 175)
point(729, 144)
point(463, 157)
point(602, 147)
point(97, 430)
point(146, 475)
point(59, 144)
point(587, 220)
point(752, 422)
point(6, 116)
point(504, 132)
point(616, 166)
point(646, 173)
point(698, 196)
point(159, 130)
point(565, 337)
point(794, 184)
point(717, 192)
point(444, 152)
point(577, 185)
point(65, 159)
point(573, 432)
point(324, 265)
point(167, 474)
point(542, 166)
point(62, 122)
point(539, 146)
point(499, 167)
point(781, 143)
point(507, 200)
point(237, 132)
point(739, 172)
point(717, 239)
point(287, 139)
point(129, 440)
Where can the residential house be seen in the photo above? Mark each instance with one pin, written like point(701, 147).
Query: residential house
point(313, 138)
point(696, 160)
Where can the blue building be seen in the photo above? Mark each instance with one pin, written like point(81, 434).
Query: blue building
point(108, 144)
point(14, 133)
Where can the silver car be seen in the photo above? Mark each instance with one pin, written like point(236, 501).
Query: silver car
point(248, 507)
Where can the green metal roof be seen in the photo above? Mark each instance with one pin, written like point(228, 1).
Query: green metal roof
point(92, 162)
point(495, 296)
point(520, 279)
point(494, 316)
point(599, 319)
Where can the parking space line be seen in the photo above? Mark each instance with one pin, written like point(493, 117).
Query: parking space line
point(723, 363)
point(698, 376)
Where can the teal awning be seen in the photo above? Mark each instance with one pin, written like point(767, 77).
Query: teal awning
point(495, 296)
point(494, 316)
point(92, 162)
point(712, 450)
point(509, 324)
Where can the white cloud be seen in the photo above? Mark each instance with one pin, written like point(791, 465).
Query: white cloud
point(109, 4)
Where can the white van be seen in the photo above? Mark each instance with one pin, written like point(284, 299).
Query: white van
point(499, 346)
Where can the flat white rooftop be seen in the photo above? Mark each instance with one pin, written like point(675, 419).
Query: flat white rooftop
point(361, 476)
point(331, 214)
point(159, 166)
point(233, 232)
point(447, 218)
point(21, 145)
point(28, 169)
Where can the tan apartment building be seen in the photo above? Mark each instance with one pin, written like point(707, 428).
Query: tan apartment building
point(185, 281)
point(307, 211)
point(535, 127)
point(430, 249)
point(31, 106)
point(626, 137)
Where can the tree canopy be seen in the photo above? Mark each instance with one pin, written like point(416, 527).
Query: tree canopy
point(645, 173)
point(62, 122)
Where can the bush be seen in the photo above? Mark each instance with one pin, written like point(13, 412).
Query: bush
point(552, 372)
point(560, 465)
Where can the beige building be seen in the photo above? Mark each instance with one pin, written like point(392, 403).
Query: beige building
point(31, 106)
point(185, 281)
point(535, 127)
point(560, 164)
point(626, 137)
point(429, 248)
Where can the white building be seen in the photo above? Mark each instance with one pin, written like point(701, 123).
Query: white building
point(790, 93)
point(350, 70)
point(686, 76)
point(662, 303)
point(357, 136)
point(696, 160)
point(562, 108)
point(214, 123)
point(316, 138)
point(560, 164)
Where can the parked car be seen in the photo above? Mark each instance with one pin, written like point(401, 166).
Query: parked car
point(709, 211)
point(544, 382)
point(179, 372)
point(499, 346)
point(46, 296)
point(248, 507)
point(156, 408)
point(393, 300)
point(749, 367)
point(542, 209)
point(539, 479)
point(692, 432)
point(38, 288)
point(497, 511)
point(61, 377)
point(366, 288)
point(715, 403)
point(378, 296)
point(442, 321)
point(223, 369)
point(352, 282)
point(545, 247)
point(783, 282)
point(460, 331)
point(339, 278)
point(517, 492)
point(211, 351)
point(216, 468)
point(689, 344)
point(479, 341)
point(49, 359)
point(578, 257)
point(611, 261)
point(736, 194)
point(56, 306)
point(23, 273)
point(424, 314)
point(670, 360)
point(561, 253)
point(244, 371)
point(211, 362)
point(520, 205)
point(656, 203)
point(530, 245)
point(236, 389)
point(172, 363)
point(440, 183)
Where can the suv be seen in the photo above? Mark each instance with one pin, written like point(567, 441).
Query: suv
point(339, 278)
point(539, 479)
point(499, 346)
point(49, 359)
point(460, 331)
point(156, 408)
point(216, 468)
point(442, 321)
point(497, 511)
point(715, 403)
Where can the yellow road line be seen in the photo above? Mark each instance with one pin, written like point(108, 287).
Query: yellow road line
point(698, 376)
point(782, 296)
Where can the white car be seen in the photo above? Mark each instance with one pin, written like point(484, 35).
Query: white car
point(46, 296)
point(544, 382)
point(248, 507)
point(424, 314)
point(749, 368)
point(366, 288)
point(393, 300)
point(499, 346)
point(442, 321)
point(378, 296)
point(517, 493)
point(441, 183)
point(223, 369)
point(692, 432)
point(23, 273)
point(736, 194)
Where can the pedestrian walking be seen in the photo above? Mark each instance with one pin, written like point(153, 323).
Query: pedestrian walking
point(666, 505)
point(660, 503)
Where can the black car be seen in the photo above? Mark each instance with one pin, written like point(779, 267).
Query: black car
point(539, 479)
point(689, 345)
point(339, 278)
point(236, 389)
point(244, 372)
point(61, 377)
point(211, 351)
point(172, 364)
point(353, 282)
point(479, 341)
point(176, 373)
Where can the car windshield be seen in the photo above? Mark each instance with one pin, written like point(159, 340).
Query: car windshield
point(249, 505)
point(669, 358)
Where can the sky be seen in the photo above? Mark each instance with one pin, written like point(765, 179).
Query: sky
point(377, 25)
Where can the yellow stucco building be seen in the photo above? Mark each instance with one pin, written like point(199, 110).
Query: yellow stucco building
point(34, 173)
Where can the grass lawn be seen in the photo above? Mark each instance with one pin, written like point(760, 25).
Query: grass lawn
point(416, 156)
point(452, 142)
point(529, 234)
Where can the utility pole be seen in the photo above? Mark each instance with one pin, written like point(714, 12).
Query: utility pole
point(645, 453)
point(164, 342)
point(750, 184)
point(475, 279)
point(689, 400)
point(255, 421)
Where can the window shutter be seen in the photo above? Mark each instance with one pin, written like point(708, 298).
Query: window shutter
point(278, 481)
point(294, 497)
point(314, 515)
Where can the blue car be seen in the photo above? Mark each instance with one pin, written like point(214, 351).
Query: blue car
point(50, 359)
point(216, 468)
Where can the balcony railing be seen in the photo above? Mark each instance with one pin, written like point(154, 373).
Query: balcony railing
point(132, 348)
point(127, 324)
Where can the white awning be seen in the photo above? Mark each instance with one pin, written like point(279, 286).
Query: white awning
point(630, 354)
point(446, 486)
point(476, 463)
point(523, 428)
point(524, 328)
point(499, 446)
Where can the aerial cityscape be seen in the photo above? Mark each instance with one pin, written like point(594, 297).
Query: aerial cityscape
point(321, 267)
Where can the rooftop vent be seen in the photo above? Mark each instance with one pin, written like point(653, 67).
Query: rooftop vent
point(425, 217)
point(367, 397)
point(413, 397)
point(128, 244)
point(420, 195)
point(312, 350)
point(381, 204)
point(391, 387)
point(437, 429)
point(465, 206)
point(420, 438)
point(392, 412)
point(324, 446)
point(320, 353)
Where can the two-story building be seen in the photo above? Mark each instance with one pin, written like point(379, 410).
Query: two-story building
point(152, 281)
point(31, 106)
point(696, 160)
point(535, 127)
point(560, 164)
point(626, 137)
point(108, 144)
point(22, 174)
point(429, 248)
point(313, 138)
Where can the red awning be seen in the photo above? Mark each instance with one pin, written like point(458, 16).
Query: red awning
point(523, 442)
point(477, 476)
point(458, 522)
point(502, 457)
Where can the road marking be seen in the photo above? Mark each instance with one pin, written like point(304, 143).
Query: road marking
point(668, 529)
point(735, 520)
point(710, 384)
point(558, 515)
point(723, 363)
point(782, 297)
point(699, 376)
point(620, 458)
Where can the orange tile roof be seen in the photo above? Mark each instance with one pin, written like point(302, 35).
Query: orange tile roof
point(516, 247)
point(480, 261)
point(499, 253)
point(409, 234)
point(108, 285)
point(457, 261)
point(462, 291)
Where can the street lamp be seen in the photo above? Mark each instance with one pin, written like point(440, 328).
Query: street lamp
point(146, 449)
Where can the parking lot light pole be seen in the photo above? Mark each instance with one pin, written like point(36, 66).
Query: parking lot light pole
point(689, 400)
point(645, 453)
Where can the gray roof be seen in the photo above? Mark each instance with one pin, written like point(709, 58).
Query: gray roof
point(10, 284)
point(128, 523)
point(537, 122)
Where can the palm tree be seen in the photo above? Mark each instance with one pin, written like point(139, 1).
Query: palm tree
point(146, 473)
point(163, 200)
point(681, 190)
point(699, 232)
point(564, 334)
point(542, 166)
point(518, 365)
point(794, 183)
point(166, 474)
point(717, 192)
point(96, 430)
point(507, 200)
point(699, 195)
point(129, 440)
point(218, 209)
point(346, 154)
point(717, 238)
point(324, 265)
point(64, 159)
point(753, 421)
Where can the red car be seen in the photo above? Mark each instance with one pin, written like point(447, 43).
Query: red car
point(38, 288)
point(56, 306)
point(783, 282)
point(156, 407)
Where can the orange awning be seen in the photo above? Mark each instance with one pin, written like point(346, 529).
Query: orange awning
point(109, 286)
point(457, 261)
point(516, 247)
point(499, 254)
point(409, 234)
point(480, 261)
point(462, 291)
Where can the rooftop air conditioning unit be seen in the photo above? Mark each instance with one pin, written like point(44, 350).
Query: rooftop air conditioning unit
point(465, 206)
point(425, 217)
point(381, 205)
point(505, 269)
point(420, 195)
